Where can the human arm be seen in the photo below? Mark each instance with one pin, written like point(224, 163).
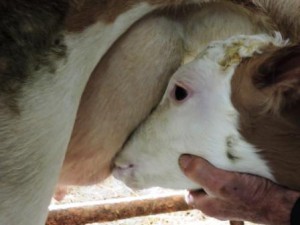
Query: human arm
point(236, 196)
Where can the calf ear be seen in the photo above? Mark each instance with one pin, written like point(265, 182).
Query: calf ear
point(279, 78)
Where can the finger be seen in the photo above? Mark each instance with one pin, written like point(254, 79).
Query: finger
point(60, 192)
point(214, 181)
point(213, 207)
point(191, 195)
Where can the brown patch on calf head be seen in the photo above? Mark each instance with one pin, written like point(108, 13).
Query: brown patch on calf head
point(266, 93)
point(280, 76)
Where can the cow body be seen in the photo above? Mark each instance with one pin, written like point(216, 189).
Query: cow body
point(37, 128)
point(39, 105)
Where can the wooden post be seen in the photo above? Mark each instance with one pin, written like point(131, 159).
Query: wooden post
point(116, 209)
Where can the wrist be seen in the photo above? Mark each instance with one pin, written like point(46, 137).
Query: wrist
point(280, 206)
point(295, 214)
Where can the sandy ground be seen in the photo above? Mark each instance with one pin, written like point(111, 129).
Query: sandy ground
point(113, 188)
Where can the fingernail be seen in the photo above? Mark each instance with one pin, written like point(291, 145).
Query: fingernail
point(189, 199)
point(184, 161)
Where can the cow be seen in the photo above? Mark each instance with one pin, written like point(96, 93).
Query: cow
point(49, 50)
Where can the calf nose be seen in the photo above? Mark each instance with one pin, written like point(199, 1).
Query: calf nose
point(122, 170)
point(123, 166)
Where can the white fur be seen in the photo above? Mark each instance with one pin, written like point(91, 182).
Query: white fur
point(200, 125)
point(35, 142)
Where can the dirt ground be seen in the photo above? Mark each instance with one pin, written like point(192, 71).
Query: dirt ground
point(113, 188)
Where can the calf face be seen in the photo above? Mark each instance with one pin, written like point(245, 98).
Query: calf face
point(205, 112)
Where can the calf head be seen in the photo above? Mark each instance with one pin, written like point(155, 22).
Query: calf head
point(222, 107)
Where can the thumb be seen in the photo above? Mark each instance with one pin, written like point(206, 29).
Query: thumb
point(202, 172)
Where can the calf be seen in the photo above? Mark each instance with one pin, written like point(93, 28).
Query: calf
point(236, 105)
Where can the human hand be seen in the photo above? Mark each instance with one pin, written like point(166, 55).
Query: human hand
point(237, 196)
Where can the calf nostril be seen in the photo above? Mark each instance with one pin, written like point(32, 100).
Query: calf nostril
point(130, 166)
point(124, 166)
point(180, 93)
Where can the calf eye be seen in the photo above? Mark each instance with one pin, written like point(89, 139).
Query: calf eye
point(180, 93)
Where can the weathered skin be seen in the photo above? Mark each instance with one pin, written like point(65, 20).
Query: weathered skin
point(236, 196)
